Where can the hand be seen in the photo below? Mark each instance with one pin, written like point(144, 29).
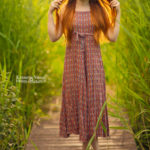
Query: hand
point(116, 4)
point(54, 5)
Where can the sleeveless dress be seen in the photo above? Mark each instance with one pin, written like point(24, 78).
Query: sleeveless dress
point(83, 83)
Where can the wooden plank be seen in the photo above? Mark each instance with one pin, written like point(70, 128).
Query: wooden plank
point(45, 136)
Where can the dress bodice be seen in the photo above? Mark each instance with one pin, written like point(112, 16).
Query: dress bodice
point(82, 22)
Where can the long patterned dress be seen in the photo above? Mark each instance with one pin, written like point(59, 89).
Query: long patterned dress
point(83, 84)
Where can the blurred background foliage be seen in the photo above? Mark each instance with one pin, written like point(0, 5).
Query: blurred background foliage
point(25, 50)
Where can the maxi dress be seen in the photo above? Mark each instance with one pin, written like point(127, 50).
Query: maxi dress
point(83, 83)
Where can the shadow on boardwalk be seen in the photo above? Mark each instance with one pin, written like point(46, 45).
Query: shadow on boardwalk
point(45, 135)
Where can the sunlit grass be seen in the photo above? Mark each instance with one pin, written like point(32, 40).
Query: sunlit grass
point(132, 69)
point(26, 50)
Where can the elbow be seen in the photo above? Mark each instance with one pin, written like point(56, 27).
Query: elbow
point(52, 39)
point(112, 39)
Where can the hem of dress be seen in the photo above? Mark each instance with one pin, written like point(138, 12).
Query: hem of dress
point(67, 135)
point(80, 138)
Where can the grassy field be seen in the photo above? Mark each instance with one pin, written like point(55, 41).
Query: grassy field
point(25, 50)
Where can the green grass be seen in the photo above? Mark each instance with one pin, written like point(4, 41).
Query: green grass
point(131, 69)
point(26, 50)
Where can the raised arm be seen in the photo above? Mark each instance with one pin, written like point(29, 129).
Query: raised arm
point(51, 26)
point(113, 33)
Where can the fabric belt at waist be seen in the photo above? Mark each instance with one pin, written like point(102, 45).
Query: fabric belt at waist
point(82, 34)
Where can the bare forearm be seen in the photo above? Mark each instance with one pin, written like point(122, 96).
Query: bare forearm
point(116, 26)
point(113, 32)
point(51, 27)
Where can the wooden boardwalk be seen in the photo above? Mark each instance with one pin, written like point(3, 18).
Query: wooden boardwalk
point(45, 136)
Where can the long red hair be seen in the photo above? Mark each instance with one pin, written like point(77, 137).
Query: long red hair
point(102, 16)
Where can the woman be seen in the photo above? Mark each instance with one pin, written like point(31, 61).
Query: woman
point(83, 22)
